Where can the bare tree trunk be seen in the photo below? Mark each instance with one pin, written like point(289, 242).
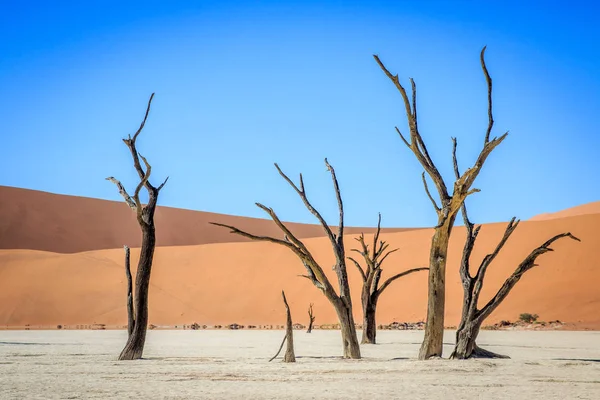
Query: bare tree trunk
point(134, 347)
point(369, 324)
point(466, 346)
point(350, 344)
point(450, 206)
point(311, 318)
point(466, 337)
point(137, 308)
point(130, 310)
point(433, 340)
point(289, 336)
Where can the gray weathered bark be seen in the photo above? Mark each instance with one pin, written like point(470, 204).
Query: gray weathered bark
point(446, 212)
point(342, 301)
point(371, 276)
point(138, 314)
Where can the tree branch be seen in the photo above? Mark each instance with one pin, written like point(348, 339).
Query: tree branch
point(487, 260)
point(308, 205)
point(144, 121)
point(131, 144)
point(132, 204)
point(376, 237)
point(417, 145)
point(454, 160)
point(316, 274)
point(362, 272)
point(143, 181)
point(340, 232)
point(400, 275)
point(289, 236)
point(162, 184)
point(130, 309)
point(437, 209)
point(240, 232)
point(387, 254)
point(403, 139)
point(488, 80)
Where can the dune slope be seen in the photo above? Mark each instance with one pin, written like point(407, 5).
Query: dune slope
point(224, 283)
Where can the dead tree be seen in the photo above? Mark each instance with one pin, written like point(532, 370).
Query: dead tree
point(371, 276)
point(341, 301)
point(130, 313)
point(472, 317)
point(138, 313)
point(289, 336)
point(448, 209)
point(311, 318)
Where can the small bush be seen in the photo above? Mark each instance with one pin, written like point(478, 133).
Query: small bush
point(528, 318)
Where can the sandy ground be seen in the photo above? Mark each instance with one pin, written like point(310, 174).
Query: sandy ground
point(233, 365)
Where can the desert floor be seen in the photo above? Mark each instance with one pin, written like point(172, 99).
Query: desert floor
point(233, 365)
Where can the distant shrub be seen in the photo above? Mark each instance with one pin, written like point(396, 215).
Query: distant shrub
point(195, 326)
point(528, 318)
point(58, 326)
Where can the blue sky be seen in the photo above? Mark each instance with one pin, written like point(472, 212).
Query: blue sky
point(240, 85)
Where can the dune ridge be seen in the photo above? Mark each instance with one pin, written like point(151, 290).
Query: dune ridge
point(583, 209)
point(35, 220)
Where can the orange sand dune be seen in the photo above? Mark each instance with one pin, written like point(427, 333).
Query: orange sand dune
point(241, 282)
point(584, 209)
point(35, 220)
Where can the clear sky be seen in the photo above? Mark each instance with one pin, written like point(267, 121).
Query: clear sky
point(240, 85)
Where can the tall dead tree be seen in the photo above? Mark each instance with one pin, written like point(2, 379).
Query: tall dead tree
point(289, 335)
point(448, 209)
point(371, 276)
point(341, 301)
point(311, 318)
point(472, 317)
point(138, 314)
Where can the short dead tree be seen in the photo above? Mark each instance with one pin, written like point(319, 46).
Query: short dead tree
point(289, 336)
point(311, 318)
point(371, 276)
point(342, 301)
point(472, 317)
point(137, 308)
point(450, 204)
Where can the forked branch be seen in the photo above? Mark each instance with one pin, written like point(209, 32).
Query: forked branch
point(134, 201)
point(524, 266)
